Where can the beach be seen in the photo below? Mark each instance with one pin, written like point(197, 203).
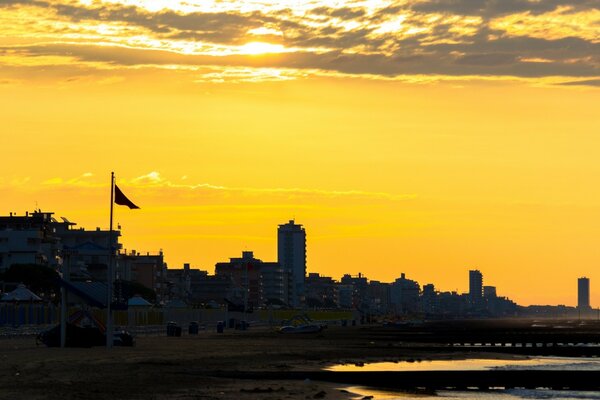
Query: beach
point(196, 366)
point(161, 367)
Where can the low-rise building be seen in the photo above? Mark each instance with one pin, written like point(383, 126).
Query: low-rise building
point(321, 291)
point(29, 239)
point(253, 281)
point(146, 269)
point(404, 295)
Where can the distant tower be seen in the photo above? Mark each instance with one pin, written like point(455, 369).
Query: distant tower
point(583, 293)
point(475, 286)
point(291, 255)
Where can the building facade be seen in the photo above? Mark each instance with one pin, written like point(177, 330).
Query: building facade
point(404, 295)
point(195, 286)
point(147, 269)
point(29, 239)
point(291, 255)
point(475, 287)
point(583, 294)
point(86, 252)
point(321, 291)
point(253, 282)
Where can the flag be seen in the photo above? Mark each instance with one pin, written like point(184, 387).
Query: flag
point(122, 200)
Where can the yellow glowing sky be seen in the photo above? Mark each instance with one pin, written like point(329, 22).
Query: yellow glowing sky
point(419, 136)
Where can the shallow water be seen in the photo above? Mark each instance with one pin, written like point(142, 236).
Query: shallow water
point(537, 363)
point(533, 363)
point(511, 394)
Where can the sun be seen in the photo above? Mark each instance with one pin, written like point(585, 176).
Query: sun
point(255, 48)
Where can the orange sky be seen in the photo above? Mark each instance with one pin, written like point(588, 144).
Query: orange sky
point(424, 137)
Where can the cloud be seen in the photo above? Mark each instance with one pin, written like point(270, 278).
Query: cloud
point(440, 60)
point(79, 181)
point(491, 8)
point(155, 182)
point(419, 37)
point(344, 13)
point(151, 178)
point(217, 27)
point(585, 82)
point(487, 59)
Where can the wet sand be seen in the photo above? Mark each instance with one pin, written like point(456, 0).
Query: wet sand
point(163, 367)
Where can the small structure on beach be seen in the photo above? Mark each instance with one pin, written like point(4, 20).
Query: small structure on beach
point(138, 302)
point(21, 294)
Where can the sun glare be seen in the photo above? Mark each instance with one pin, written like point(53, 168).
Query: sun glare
point(256, 48)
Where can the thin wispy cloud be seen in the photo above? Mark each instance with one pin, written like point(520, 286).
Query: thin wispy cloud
point(155, 181)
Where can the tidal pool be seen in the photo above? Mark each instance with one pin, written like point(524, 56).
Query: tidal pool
point(475, 364)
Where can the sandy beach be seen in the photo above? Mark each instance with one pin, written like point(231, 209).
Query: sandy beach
point(161, 367)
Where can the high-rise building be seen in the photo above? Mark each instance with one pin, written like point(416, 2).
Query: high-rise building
point(583, 293)
point(291, 255)
point(475, 286)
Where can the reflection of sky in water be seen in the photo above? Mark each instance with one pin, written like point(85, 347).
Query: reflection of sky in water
point(546, 363)
point(475, 395)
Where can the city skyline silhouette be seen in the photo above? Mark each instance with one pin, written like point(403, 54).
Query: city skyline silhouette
point(423, 136)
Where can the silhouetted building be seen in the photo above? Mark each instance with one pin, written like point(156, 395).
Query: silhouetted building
point(147, 269)
point(404, 295)
point(38, 238)
point(359, 284)
point(195, 286)
point(178, 282)
point(345, 296)
point(253, 281)
point(583, 294)
point(489, 292)
point(452, 304)
point(321, 291)
point(291, 255)
point(208, 289)
point(475, 287)
point(547, 311)
point(429, 300)
point(29, 239)
point(86, 251)
point(378, 297)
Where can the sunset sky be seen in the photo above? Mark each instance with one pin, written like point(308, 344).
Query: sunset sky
point(421, 136)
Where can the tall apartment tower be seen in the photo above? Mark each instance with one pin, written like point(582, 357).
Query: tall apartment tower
point(291, 255)
point(475, 286)
point(583, 293)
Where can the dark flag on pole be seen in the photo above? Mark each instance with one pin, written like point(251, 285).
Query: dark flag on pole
point(122, 200)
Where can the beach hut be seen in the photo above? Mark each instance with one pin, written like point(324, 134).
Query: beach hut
point(138, 309)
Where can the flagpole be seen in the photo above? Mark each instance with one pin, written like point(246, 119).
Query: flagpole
point(109, 280)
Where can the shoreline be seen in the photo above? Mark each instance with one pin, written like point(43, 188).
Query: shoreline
point(161, 367)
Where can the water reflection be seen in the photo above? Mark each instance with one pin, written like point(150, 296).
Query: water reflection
point(545, 363)
point(512, 394)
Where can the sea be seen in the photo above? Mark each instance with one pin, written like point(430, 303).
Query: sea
point(532, 363)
